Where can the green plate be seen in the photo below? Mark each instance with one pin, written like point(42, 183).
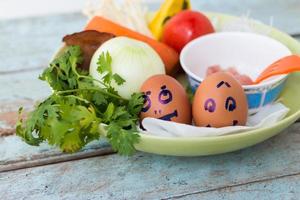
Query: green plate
point(200, 146)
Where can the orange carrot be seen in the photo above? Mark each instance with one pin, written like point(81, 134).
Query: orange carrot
point(168, 55)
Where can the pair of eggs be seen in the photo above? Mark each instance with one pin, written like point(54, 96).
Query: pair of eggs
point(218, 102)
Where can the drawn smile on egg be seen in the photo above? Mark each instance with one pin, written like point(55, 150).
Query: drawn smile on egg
point(234, 123)
point(168, 117)
point(164, 97)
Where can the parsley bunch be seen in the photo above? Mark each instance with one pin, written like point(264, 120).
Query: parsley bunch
point(70, 117)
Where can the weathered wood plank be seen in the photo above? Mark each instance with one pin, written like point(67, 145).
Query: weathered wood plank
point(22, 86)
point(20, 89)
point(287, 187)
point(146, 176)
point(28, 44)
point(16, 154)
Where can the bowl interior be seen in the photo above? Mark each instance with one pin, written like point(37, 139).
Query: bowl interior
point(249, 53)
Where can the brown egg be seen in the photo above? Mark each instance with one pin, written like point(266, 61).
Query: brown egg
point(165, 99)
point(220, 101)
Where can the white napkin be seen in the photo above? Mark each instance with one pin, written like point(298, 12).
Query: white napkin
point(267, 116)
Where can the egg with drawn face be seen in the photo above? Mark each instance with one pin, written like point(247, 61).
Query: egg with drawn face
point(220, 101)
point(166, 99)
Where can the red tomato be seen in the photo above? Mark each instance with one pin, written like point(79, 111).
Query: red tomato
point(184, 27)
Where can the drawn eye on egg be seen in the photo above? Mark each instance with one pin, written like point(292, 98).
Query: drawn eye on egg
point(210, 105)
point(165, 95)
point(230, 104)
point(147, 101)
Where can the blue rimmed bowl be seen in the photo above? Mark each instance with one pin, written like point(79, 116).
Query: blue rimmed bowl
point(249, 53)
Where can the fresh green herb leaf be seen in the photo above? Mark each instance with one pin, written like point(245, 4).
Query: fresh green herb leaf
point(104, 67)
point(119, 80)
point(61, 123)
point(99, 99)
point(61, 74)
point(107, 115)
point(190, 93)
point(70, 117)
point(122, 140)
point(104, 63)
point(135, 103)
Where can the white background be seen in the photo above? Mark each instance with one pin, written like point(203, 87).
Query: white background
point(24, 8)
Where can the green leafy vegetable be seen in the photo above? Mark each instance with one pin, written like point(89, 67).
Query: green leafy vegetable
point(190, 93)
point(104, 66)
point(70, 117)
point(61, 74)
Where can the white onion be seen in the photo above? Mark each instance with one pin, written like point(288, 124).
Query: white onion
point(133, 60)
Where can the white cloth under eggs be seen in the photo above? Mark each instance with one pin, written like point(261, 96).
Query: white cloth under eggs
point(267, 116)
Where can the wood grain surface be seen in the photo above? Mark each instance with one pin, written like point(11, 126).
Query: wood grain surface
point(270, 170)
point(148, 176)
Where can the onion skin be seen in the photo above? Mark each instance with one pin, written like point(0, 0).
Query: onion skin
point(133, 60)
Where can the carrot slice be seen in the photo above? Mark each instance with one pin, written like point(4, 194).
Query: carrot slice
point(168, 55)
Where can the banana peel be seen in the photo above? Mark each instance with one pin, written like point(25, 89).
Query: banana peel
point(167, 10)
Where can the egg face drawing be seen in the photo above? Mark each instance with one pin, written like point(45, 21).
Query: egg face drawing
point(220, 101)
point(165, 98)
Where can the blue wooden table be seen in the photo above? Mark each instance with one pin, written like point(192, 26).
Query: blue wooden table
point(270, 170)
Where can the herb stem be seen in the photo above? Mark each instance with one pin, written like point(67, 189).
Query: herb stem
point(85, 101)
point(90, 78)
point(93, 89)
point(79, 98)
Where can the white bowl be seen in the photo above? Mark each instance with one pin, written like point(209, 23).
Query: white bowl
point(249, 53)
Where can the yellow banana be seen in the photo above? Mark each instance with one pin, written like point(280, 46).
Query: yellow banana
point(167, 10)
